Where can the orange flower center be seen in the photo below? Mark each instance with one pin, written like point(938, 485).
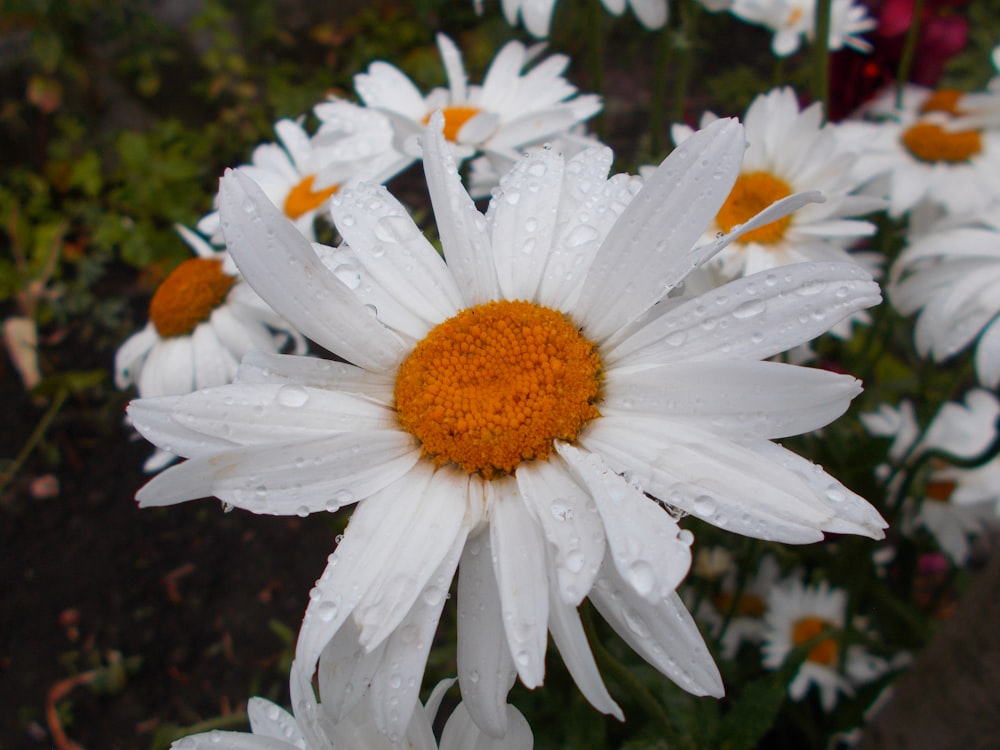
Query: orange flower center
point(454, 118)
point(940, 490)
point(930, 142)
point(188, 295)
point(747, 605)
point(943, 100)
point(752, 193)
point(301, 199)
point(496, 384)
point(804, 630)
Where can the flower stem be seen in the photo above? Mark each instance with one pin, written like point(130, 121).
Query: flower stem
point(909, 49)
point(821, 55)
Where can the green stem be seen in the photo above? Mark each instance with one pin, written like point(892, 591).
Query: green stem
point(624, 677)
point(685, 43)
point(821, 55)
point(595, 25)
point(35, 438)
point(658, 95)
point(909, 50)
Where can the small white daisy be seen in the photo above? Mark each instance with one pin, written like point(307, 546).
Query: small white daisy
point(512, 109)
point(949, 276)
point(913, 152)
point(301, 172)
point(789, 151)
point(518, 409)
point(317, 725)
point(537, 14)
point(795, 20)
point(797, 614)
point(957, 503)
point(202, 320)
point(737, 616)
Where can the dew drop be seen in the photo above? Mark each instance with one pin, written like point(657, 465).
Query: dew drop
point(292, 395)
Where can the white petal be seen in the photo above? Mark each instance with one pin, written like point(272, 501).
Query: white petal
point(169, 368)
point(308, 477)
point(130, 356)
point(651, 13)
point(216, 740)
point(663, 633)
point(395, 688)
point(395, 252)
point(271, 720)
point(213, 365)
point(153, 418)
point(522, 220)
point(570, 521)
point(643, 540)
point(519, 564)
point(737, 398)
point(281, 266)
point(441, 518)
point(375, 530)
point(713, 478)
point(649, 249)
point(345, 672)
point(988, 356)
point(461, 733)
point(569, 638)
point(754, 317)
point(451, 58)
point(461, 226)
point(485, 666)
point(263, 367)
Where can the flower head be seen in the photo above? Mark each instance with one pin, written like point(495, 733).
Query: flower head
point(563, 284)
point(537, 14)
point(800, 615)
point(202, 319)
point(512, 109)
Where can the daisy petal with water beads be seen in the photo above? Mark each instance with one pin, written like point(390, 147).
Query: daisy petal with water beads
point(202, 319)
point(525, 410)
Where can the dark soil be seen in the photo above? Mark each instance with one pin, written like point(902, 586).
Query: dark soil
point(186, 596)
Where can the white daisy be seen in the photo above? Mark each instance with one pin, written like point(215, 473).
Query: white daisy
point(315, 725)
point(301, 172)
point(511, 110)
point(956, 504)
point(735, 615)
point(949, 276)
point(793, 20)
point(202, 320)
point(797, 614)
point(520, 406)
point(912, 152)
point(537, 14)
point(789, 151)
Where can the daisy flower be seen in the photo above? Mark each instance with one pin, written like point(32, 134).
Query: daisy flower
point(916, 152)
point(797, 614)
point(202, 320)
point(957, 503)
point(525, 409)
point(537, 14)
point(735, 614)
point(789, 151)
point(949, 276)
point(314, 726)
point(512, 109)
point(793, 20)
point(301, 172)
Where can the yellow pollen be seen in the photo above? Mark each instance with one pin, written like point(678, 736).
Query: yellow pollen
point(752, 193)
point(794, 17)
point(454, 119)
point(943, 100)
point(930, 142)
point(188, 295)
point(302, 199)
point(496, 384)
point(824, 652)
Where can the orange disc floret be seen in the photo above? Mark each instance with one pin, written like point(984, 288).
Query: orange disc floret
point(188, 296)
point(752, 193)
point(930, 142)
point(496, 384)
point(804, 630)
point(942, 100)
point(302, 198)
point(454, 118)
